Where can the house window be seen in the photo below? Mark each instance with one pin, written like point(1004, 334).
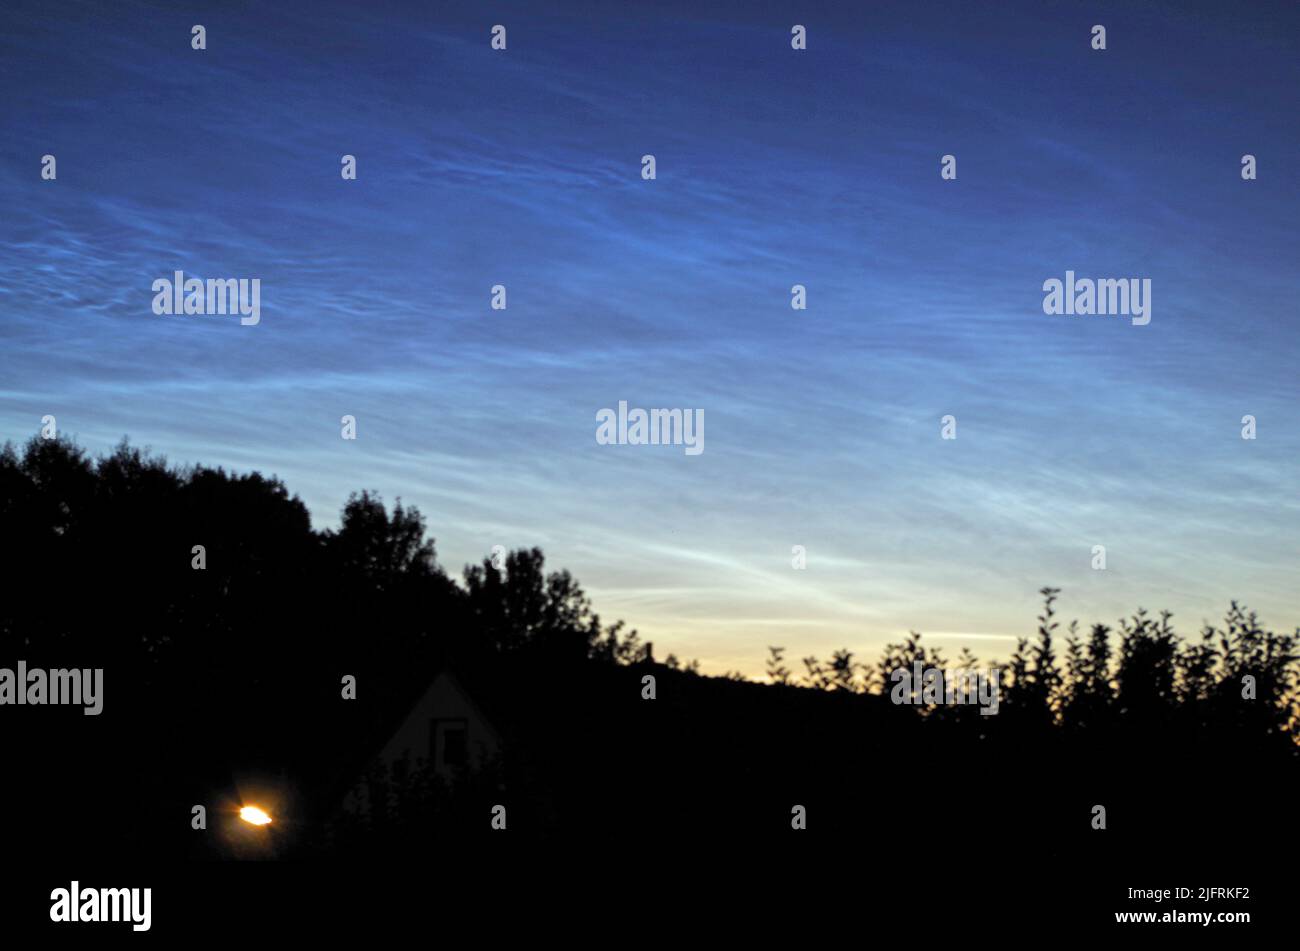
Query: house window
point(453, 746)
point(450, 740)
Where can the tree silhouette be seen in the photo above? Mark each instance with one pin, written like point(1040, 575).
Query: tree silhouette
point(230, 663)
point(777, 672)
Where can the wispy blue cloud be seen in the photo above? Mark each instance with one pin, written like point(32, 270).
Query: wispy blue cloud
point(775, 168)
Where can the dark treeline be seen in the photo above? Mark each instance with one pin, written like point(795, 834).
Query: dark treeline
point(1237, 677)
point(213, 676)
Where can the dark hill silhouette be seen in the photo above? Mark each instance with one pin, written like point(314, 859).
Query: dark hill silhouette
point(215, 675)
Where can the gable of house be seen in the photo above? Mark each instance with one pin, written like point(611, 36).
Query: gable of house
point(445, 729)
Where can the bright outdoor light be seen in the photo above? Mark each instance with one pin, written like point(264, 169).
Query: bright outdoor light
point(254, 815)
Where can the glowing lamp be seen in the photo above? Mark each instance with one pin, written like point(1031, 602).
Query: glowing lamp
point(254, 816)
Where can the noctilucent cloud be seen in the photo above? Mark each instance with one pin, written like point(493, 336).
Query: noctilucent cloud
point(775, 167)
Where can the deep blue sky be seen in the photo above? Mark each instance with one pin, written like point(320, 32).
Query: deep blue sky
point(774, 167)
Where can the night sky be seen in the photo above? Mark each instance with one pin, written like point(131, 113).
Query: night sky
point(775, 167)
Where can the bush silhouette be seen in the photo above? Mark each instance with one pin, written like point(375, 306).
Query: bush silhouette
point(235, 670)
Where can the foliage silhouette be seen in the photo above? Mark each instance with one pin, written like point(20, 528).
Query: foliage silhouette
point(215, 675)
